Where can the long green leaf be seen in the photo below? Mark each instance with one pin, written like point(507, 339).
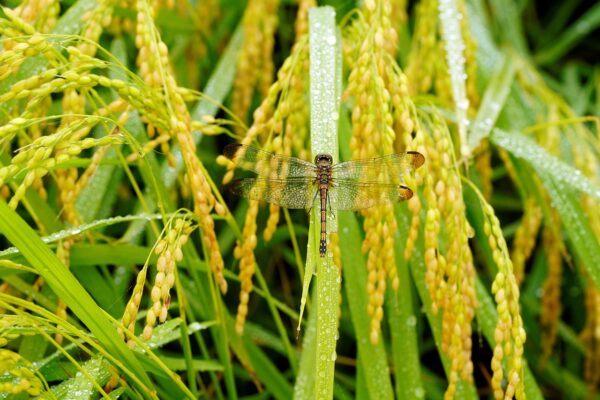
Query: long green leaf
point(525, 148)
point(488, 56)
point(576, 224)
point(66, 233)
point(101, 191)
point(494, 97)
point(371, 358)
point(221, 79)
point(304, 387)
point(580, 29)
point(268, 373)
point(68, 288)
point(508, 20)
point(325, 91)
point(80, 387)
point(564, 185)
point(402, 314)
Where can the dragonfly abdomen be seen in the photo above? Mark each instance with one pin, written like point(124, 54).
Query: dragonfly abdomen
point(324, 179)
point(323, 244)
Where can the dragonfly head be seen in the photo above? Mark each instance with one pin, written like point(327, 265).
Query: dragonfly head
point(323, 159)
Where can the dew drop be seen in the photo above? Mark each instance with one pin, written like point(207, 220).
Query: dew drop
point(539, 292)
point(419, 392)
point(582, 27)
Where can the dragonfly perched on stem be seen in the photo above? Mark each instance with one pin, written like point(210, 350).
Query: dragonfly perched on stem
point(294, 183)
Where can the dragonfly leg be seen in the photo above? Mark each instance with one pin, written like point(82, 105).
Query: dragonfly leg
point(332, 213)
point(313, 202)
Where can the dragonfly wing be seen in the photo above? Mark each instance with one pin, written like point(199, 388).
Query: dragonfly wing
point(268, 164)
point(355, 195)
point(387, 169)
point(289, 193)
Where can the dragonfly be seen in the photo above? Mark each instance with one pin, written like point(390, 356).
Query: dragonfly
point(294, 183)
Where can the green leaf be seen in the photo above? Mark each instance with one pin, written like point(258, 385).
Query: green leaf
point(325, 92)
point(576, 224)
point(304, 387)
point(564, 185)
point(66, 287)
point(221, 80)
point(110, 254)
point(179, 364)
point(85, 384)
point(488, 56)
point(494, 97)
point(101, 191)
point(371, 358)
point(269, 374)
point(72, 20)
point(83, 228)
point(168, 332)
point(507, 17)
point(402, 315)
point(543, 162)
point(571, 36)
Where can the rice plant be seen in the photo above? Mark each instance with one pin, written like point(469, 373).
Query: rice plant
point(129, 270)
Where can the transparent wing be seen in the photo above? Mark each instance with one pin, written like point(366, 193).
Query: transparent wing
point(387, 169)
point(268, 164)
point(353, 195)
point(296, 192)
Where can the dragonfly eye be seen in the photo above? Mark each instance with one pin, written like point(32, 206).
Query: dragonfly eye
point(326, 158)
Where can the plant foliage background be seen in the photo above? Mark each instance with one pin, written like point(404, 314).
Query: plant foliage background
point(129, 271)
